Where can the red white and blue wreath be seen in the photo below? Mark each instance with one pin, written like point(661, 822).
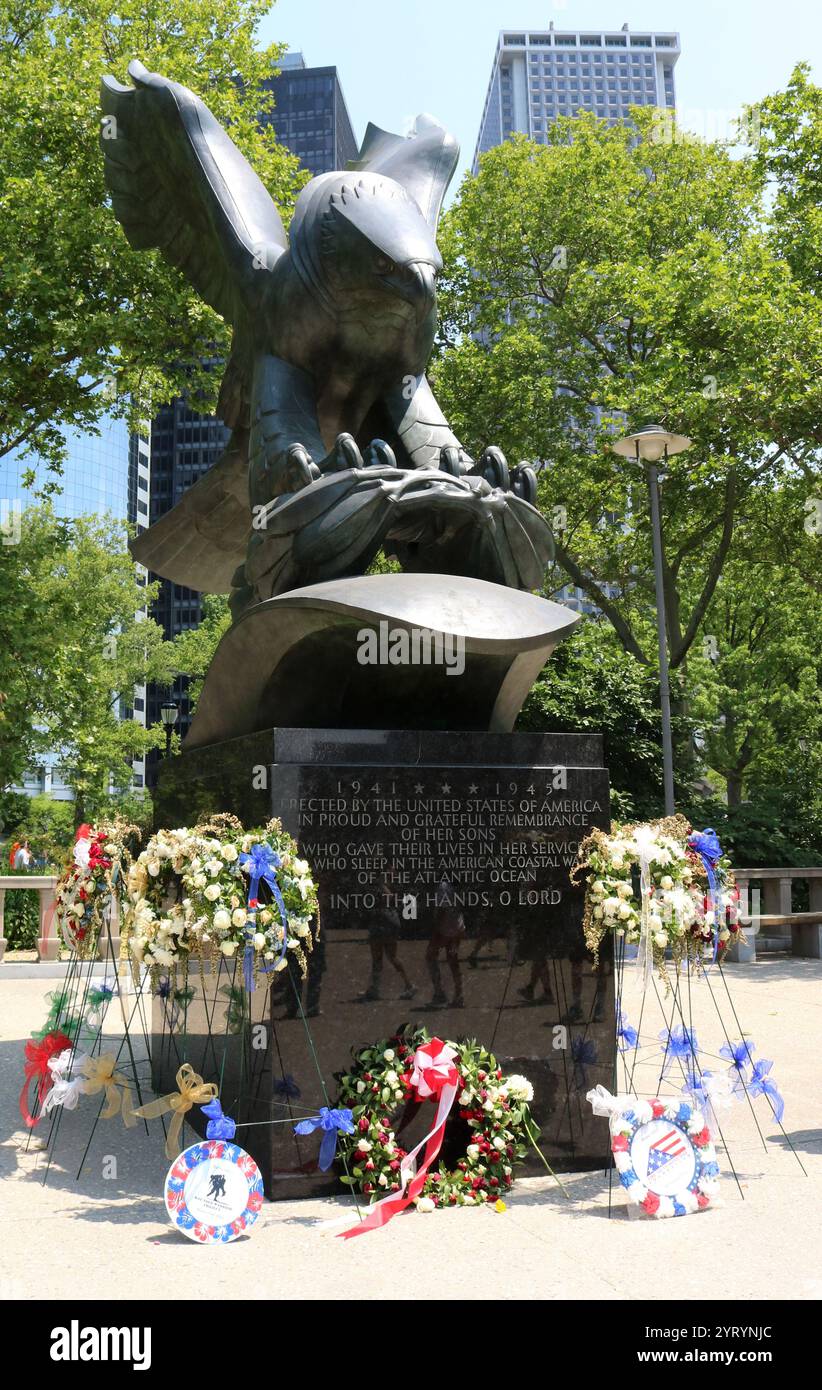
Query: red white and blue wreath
point(214, 1192)
point(663, 1152)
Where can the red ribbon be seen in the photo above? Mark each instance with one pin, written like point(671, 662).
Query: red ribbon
point(434, 1076)
point(37, 1069)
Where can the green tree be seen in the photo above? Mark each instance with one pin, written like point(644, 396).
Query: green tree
point(75, 642)
point(87, 324)
point(600, 282)
point(788, 152)
point(194, 648)
point(757, 675)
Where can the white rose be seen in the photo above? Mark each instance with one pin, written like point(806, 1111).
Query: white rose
point(301, 868)
point(391, 1078)
point(154, 868)
point(617, 863)
point(360, 1087)
point(624, 911)
point(388, 1054)
point(222, 921)
point(519, 1087)
point(473, 1151)
point(214, 867)
point(499, 1143)
point(229, 853)
point(661, 938)
point(265, 916)
point(239, 917)
point(655, 922)
point(228, 948)
point(199, 880)
point(364, 1146)
point(212, 892)
point(425, 1204)
point(300, 927)
point(259, 940)
point(598, 913)
point(667, 881)
point(598, 887)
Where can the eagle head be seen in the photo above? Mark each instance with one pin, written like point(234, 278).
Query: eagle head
point(363, 249)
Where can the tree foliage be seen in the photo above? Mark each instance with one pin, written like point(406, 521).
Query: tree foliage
point(74, 641)
point(600, 282)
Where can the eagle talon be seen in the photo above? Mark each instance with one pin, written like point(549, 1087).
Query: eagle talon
point(300, 469)
point(379, 455)
point(524, 483)
point(493, 468)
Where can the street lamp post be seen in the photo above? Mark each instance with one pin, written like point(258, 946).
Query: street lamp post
point(650, 445)
point(169, 712)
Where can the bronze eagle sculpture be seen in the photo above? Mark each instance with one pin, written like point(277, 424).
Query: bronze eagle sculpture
point(338, 447)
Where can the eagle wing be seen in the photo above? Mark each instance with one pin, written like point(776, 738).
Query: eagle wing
point(179, 183)
point(422, 162)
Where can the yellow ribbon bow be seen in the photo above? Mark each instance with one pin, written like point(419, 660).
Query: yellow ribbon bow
point(192, 1090)
point(100, 1076)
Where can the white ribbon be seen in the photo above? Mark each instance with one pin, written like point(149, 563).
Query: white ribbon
point(66, 1090)
point(603, 1103)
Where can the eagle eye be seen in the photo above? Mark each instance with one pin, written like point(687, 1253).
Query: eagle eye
point(383, 265)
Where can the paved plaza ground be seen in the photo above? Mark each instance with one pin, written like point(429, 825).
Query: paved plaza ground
point(97, 1238)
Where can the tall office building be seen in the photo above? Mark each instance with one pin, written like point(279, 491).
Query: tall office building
point(311, 119)
point(310, 116)
point(94, 478)
point(539, 75)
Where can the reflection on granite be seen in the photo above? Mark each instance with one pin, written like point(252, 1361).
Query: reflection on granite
point(443, 865)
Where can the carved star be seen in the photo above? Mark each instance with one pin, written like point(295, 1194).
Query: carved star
point(473, 788)
point(418, 788)
point(446, 787)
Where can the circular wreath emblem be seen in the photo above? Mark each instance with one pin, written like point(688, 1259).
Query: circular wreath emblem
point(214, 1192)
point(665, 1157)
point(378, 1090)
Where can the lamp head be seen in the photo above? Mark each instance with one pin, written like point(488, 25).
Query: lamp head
point(651, 443)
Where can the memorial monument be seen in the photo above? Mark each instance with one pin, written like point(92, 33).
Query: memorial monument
point(372, 712)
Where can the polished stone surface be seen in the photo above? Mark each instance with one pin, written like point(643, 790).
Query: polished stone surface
point(443, 865)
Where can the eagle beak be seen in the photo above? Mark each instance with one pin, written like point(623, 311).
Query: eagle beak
point(419, 286)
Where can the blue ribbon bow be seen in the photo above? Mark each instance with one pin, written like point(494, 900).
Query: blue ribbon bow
point(626, 1032)
point(706, 844)
point(219, 1126)
point(679, 1044)
point(331, 1122)
point(761, 1085)
point(261, 864)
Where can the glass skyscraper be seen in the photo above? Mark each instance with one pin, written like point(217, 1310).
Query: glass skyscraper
point(94, 478)
point(311, 119)
point(539, 75)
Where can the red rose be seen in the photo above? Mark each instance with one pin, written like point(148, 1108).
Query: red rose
point(702, 1200)
point(363, 1123)
point(651, 1203)
point(619, 1143)
point(702, 1138)
point(369, 1167)
point(394, 1165)
point(368, 1187)
point(657, 1108)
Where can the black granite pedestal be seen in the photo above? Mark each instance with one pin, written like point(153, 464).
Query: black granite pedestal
point(442, 860)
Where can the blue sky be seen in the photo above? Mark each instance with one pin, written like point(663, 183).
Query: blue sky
point(399, 57)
